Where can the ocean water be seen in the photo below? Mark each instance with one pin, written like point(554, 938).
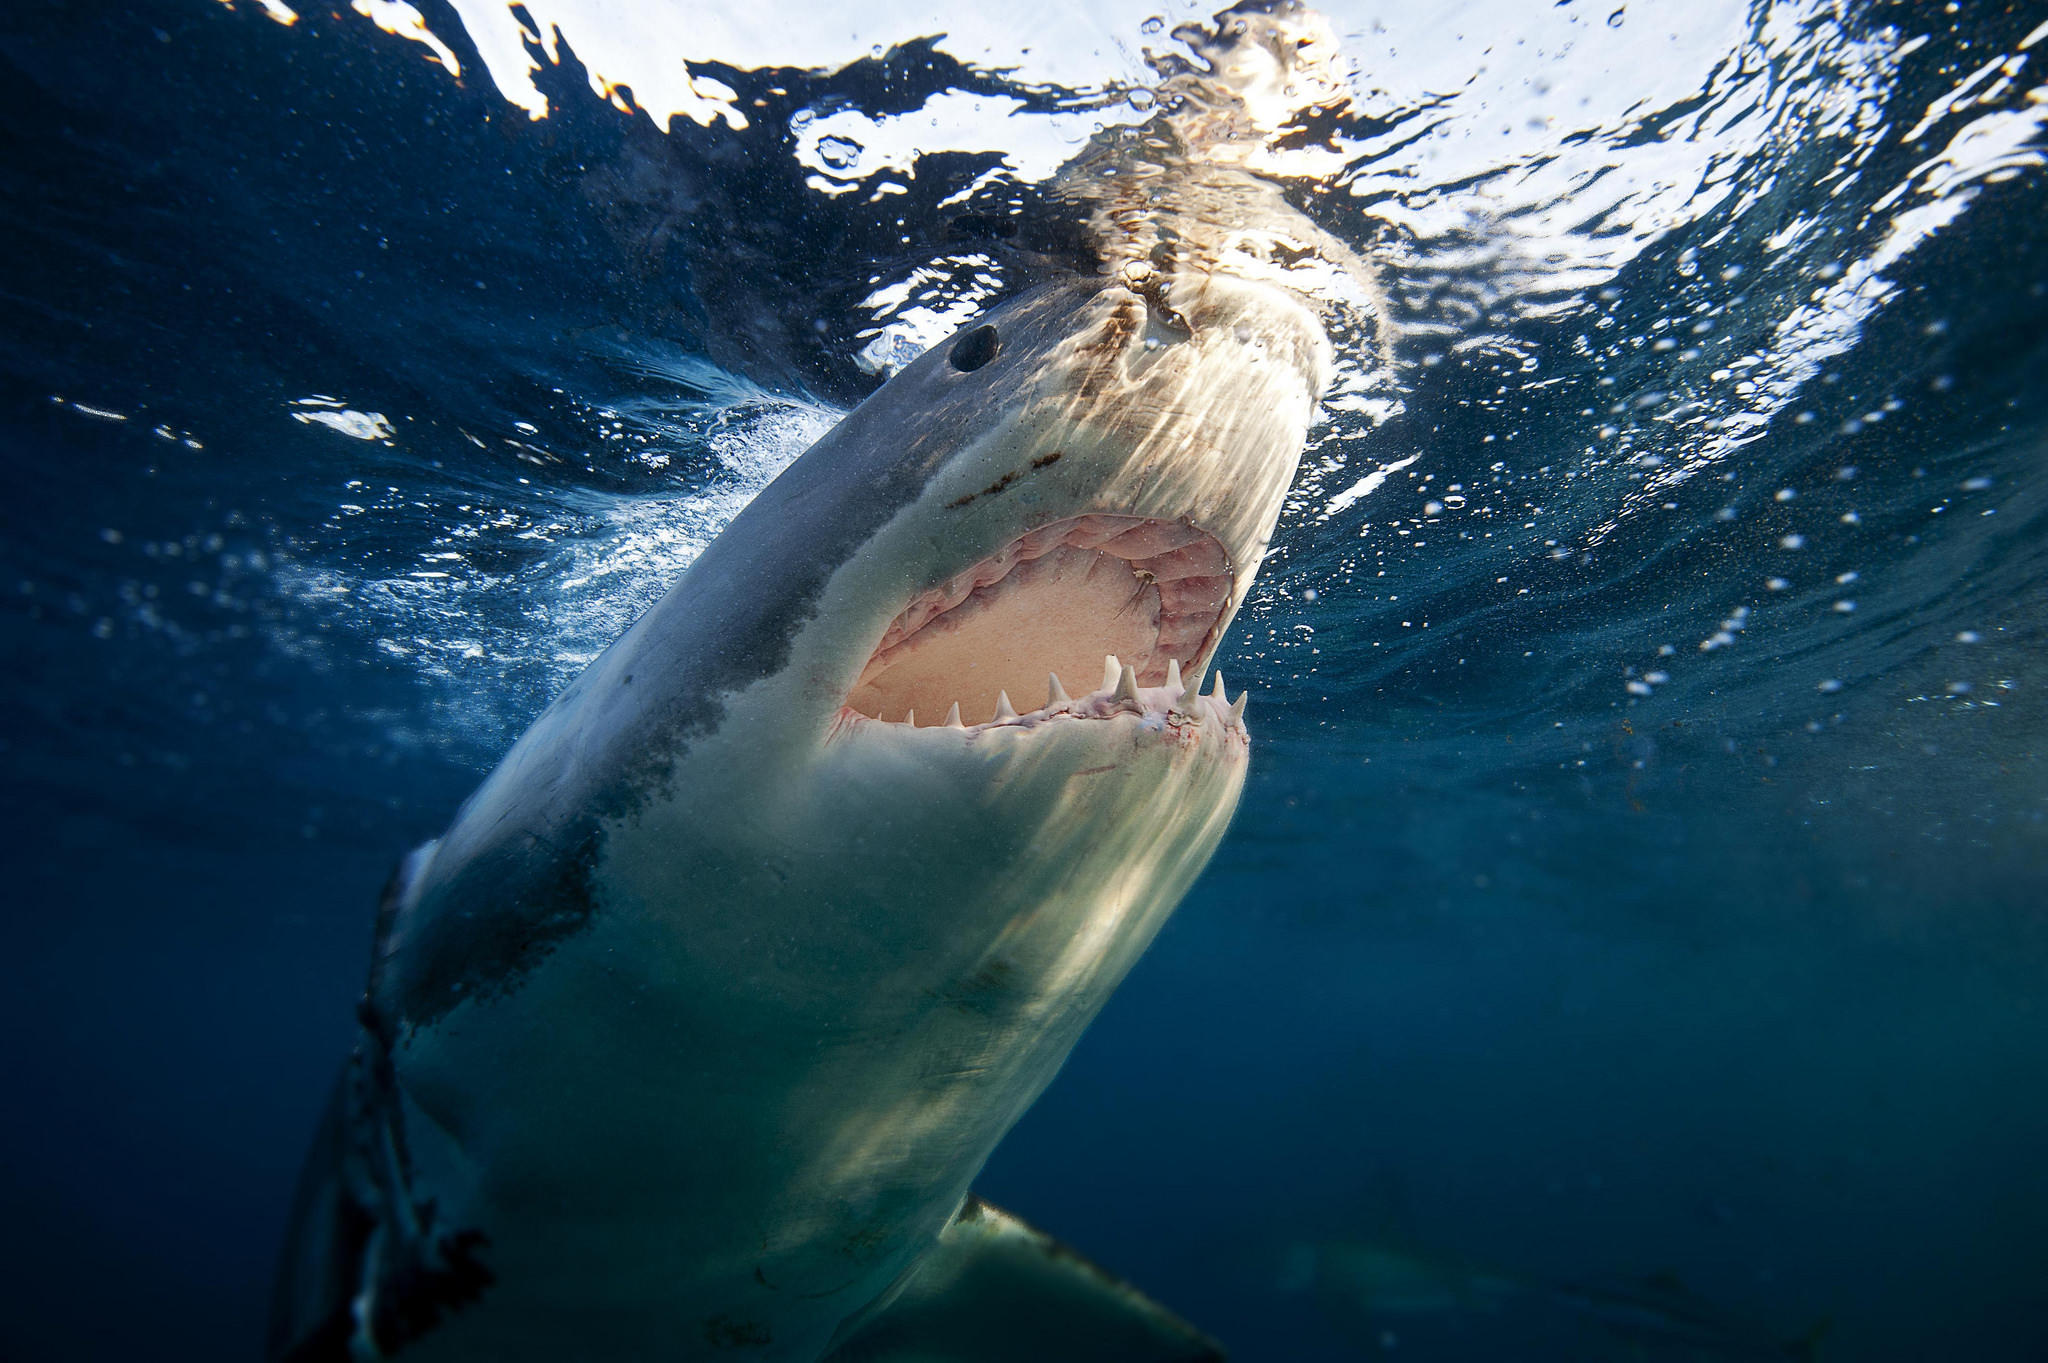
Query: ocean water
point(1643, 875)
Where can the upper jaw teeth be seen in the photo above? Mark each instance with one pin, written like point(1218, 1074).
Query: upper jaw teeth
point(1180, 700)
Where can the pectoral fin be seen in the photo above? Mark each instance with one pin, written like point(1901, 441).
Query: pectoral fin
point(994, 1290)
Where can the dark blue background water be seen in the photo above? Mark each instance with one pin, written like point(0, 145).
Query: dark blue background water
point(1736, 974)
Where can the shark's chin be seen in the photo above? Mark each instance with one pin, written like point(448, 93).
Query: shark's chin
point(1134, 595)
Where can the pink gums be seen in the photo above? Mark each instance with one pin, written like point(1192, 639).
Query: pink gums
point(1054, 600)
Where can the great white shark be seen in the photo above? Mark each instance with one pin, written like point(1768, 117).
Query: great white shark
point(689, 1036)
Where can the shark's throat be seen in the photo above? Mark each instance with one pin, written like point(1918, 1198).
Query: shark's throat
point(1053, 601)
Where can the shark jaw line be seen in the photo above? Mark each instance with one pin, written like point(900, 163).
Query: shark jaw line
point(1151, 594)
point(1176, 707)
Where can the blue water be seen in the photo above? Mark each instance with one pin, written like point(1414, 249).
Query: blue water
point(1644, 868)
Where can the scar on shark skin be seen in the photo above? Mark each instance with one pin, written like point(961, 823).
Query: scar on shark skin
point(991, 490)
point(1003, 483)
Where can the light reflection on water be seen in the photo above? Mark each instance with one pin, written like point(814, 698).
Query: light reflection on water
point(1505, 171)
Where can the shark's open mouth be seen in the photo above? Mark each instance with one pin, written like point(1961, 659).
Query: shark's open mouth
point(1052, 602)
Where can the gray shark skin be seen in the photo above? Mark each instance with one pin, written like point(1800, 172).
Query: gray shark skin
point(688, 1038)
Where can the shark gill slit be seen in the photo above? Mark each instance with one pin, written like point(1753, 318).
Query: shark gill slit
point(1055, 600)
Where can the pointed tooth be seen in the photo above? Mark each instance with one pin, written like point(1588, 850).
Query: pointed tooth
point(1055, 694)
point(1127, 687)
point(910, 718)
point(1221, 696)
point(1191, 693)
point(1111, 671)
point(1237, 708)
point(1004, 710)
point(953, 717)
point(1173, 682)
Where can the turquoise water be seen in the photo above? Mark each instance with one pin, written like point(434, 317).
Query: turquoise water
point(1644, 863)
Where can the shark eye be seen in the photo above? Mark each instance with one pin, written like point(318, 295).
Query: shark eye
point(975, 349)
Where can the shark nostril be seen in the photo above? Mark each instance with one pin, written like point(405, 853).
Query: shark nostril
point(975, 349)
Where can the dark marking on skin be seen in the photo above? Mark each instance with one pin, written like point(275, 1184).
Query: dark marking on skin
point(415, 1293)
point(723, 1332)
point(1046, 461)
point(1094, 771)
point(480, 934)
point(1001, 484)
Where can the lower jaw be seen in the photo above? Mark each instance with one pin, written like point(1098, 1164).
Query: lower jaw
point(1176, 706)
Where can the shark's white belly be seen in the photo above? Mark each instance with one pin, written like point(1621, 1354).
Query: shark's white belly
point(737, 1107)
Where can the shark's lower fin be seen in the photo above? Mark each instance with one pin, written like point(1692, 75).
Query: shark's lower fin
point(323, 1251)
point(995, 1290)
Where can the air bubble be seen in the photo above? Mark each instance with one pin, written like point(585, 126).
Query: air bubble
point(840, 153)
